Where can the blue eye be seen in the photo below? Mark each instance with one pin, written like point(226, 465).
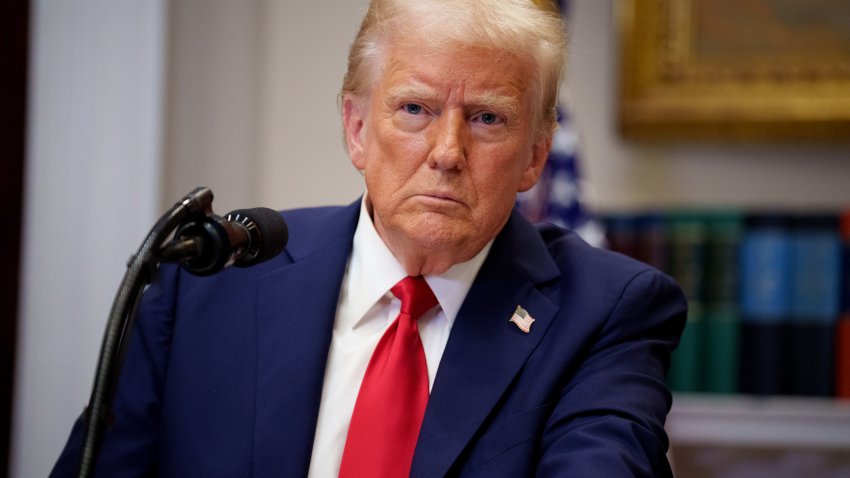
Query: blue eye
point(489, 118)
point(412, 108)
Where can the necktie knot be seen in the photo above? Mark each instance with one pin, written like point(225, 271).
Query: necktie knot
point(415, 295)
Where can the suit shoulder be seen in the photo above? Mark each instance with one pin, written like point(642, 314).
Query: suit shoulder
point(314, 228)
point(625, 284)
point(311, 216)
point(571, 251)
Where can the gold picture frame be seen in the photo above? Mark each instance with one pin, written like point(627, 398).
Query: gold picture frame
point(735, 69)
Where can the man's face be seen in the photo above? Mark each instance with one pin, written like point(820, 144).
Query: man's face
point(445, 140)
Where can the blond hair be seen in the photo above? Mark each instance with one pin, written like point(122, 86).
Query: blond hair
point(521, 27)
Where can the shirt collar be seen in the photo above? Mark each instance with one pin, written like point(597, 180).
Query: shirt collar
point(373, 270)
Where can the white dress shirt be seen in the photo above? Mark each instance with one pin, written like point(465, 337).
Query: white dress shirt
point(365, 310)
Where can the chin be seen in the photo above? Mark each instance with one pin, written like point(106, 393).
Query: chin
point(441, 237)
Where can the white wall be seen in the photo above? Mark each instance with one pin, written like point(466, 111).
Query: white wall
point(628, 176)
point(214, 101)
point(303, 158)
point(91, 194)
point(252, 110)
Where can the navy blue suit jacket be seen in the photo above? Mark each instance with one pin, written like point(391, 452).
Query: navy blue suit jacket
point(224, 374)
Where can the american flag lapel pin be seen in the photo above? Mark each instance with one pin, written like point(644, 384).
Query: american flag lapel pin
point(522, 319)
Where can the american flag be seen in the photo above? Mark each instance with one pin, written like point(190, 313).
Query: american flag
point(559, 196)
point(522, 319)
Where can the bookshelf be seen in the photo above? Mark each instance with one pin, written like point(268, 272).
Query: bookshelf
point(762, 375)
point(728, 436)
point(768, 295)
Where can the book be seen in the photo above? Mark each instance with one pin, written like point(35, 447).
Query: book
point(842, 329)
point(766, 271)
point(621, 232)
point(652, 242)
point(687, 246)
point(815, 304)
point(842, 357)
point(721, 344)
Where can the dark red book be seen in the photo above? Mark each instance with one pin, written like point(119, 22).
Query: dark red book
point(842, 330)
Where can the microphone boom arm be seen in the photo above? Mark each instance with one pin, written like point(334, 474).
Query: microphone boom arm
point(139, 274)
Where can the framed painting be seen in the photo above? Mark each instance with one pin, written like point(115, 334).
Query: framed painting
point(735, 69)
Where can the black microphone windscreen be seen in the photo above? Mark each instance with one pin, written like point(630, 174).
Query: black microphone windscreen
point(272, 230)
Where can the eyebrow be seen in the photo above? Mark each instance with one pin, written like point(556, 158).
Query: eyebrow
point(489, 99)
point(411, 91)
point(497, 102)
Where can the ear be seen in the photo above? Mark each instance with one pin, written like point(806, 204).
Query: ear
point(539, 155)
point(353, 121)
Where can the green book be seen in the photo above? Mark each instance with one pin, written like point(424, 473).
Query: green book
point(688, 244)
point(721, 345)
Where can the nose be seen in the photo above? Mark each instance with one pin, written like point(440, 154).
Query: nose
point(448, 149)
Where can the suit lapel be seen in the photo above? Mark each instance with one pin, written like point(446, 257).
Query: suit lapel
point(485, 351)
point(295, 316)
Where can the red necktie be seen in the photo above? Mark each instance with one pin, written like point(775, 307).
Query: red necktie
point(393, 395)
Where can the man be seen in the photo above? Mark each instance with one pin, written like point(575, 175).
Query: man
point(534, 354)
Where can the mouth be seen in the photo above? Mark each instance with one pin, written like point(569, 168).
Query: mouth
point(439, 196)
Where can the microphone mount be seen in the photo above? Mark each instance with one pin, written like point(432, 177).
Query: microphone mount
point(242, 238)
point(204, 243)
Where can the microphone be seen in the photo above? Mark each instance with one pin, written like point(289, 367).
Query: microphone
point(242, 238)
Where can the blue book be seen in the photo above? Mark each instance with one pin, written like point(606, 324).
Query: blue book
point(816, 304)
point(766, 272)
